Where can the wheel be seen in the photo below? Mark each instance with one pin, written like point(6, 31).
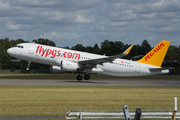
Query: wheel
point(79, 77)
point(87, 77)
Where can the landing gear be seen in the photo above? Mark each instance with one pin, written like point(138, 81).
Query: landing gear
point(79, 77)
point(29, 63)
point(87, 77)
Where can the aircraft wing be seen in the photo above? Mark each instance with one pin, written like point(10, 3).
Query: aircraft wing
point(94, 62)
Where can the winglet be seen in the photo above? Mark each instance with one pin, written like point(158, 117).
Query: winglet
point(156, 55)
point(128, 50)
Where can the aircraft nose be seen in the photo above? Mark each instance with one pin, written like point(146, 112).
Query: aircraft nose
point(10, 51)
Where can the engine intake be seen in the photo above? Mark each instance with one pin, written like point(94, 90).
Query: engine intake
point(56, 69)
point(69, 66)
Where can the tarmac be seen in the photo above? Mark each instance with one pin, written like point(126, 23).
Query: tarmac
point(160, 83)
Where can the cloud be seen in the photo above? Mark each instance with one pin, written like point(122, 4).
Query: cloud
point(91, 21)
point(55, 35)
point(4, 6)
point(12, 26)
point(64, 39)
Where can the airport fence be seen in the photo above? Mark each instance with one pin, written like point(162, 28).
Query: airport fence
point(94, 112)
point(121, 115)
point(62, 111)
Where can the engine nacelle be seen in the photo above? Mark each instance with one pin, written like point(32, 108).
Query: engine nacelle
point(69, 66)
point(56, 69)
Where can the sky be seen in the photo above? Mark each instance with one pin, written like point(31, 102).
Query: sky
point(87, 22)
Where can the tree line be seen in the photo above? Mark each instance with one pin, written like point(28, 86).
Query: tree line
point(107, 48)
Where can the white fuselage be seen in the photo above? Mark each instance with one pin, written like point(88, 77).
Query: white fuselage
point(53, 56)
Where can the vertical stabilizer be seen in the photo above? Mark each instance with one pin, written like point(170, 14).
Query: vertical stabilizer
point(156, 55)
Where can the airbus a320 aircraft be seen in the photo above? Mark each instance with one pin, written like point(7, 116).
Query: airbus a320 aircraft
point(71, 60)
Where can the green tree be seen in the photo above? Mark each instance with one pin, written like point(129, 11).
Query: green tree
point(66, 47)
point(136, 50)
point(96, 49)
point(145, 47)
point(119, 47)
point(44, 42)
point(106, 48)
point(4, 44)
point(110, 48)
point(89, 49)
point(173, 53)
point(5, 59)
point(79, 47)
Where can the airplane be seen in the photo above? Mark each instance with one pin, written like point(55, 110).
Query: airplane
point(76, 61)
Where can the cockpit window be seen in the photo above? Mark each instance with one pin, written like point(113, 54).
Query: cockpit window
point(19, 46)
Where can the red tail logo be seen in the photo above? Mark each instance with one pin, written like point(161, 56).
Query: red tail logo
point(154, 51)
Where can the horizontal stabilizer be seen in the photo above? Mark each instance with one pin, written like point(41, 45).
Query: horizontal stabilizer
point(159, 69)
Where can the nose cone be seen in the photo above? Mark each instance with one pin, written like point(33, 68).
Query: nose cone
point(10, 51)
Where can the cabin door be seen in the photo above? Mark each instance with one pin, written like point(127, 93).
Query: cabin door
point(31, 49)
point(138, 66)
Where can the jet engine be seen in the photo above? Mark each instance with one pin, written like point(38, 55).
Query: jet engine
point(69, 66)
point(56, 69)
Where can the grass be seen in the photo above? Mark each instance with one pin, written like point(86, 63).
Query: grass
point(54, 100)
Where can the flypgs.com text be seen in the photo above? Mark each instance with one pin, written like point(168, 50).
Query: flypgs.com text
point(56, 53)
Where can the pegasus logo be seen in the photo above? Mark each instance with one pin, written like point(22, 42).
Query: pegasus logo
point(154, 51)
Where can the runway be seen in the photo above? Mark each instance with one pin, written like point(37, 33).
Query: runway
point(160, 83)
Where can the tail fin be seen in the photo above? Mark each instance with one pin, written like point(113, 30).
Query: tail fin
point(156, 55)
point(126, 52)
